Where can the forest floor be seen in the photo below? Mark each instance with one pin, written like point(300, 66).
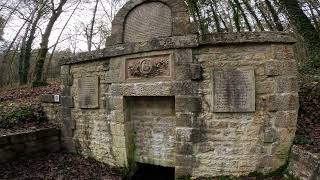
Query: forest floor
point(58, 166)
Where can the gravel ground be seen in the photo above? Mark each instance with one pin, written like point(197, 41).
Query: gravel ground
point(58, 166)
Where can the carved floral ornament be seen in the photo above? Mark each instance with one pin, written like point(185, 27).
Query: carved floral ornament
point(149, 67)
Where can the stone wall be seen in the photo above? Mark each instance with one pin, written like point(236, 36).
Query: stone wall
point(207, 105)
point(207, 142)
point(243, 142)
point(304, 164)
point(29, 145)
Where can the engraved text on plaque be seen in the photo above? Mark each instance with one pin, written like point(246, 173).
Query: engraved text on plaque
point(89, 92)
point(233, 90)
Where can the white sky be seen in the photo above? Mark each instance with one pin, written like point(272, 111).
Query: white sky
point(75, 28)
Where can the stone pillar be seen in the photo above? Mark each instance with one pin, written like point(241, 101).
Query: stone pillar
point(66, 105)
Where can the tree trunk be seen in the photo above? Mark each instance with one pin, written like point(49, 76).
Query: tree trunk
point(305, 28)
point(90, 36)
point(236, 16)
point(274, 14)
point(253, 14)
point(28, 47)
point(263, 14)
point(55, 45)
point(45, 40)
point(246, 21)
point(213, 7)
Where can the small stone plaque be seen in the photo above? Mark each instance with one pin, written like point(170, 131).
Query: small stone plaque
point(56, 98)
point(89, 93)
point(233, 90)
point(158, 66)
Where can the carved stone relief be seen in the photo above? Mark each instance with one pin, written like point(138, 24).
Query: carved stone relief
point(148, 67)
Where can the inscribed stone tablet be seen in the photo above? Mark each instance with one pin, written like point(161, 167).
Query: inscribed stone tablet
point(147, 21)
point(233, 90)
point(89, 92)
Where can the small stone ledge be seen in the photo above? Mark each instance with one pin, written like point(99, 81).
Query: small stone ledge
point(159, 44)
point(246, 37)
point(49, 98)
point(30, 144)
point(304, 164)
point(178, 42)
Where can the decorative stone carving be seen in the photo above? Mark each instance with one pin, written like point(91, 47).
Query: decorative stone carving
point(234, 90)
point(89, 92)
point(149, 67)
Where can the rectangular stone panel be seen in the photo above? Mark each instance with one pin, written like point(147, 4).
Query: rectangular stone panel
point(233, 90)
point(158, 66)
point(89, 92)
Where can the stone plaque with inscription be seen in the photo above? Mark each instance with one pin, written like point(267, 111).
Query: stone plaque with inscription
point(233, 90)
point(147, 21)
point(89, 93)
point(149, 67)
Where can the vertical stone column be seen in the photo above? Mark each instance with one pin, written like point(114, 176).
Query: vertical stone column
point(67, 104)
point(187, 106)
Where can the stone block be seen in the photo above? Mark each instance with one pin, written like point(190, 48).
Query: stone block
point(184, 160)
point(47, 98)
point(188, 104)
point(280, 102)
point(196, 72)
point(69, 123)
point(287, 85)
point(65, 69)
point(183, 171)
point(270, 135)
point(67, 101)
point(67, 80)
point(282, 52)
point(182, 72)
point(184, 148)
point(4, 140)
point(18, 138)
point(66, 91)
point(183, 56)
point(184, 120)
point(116, 103)
point(266, 87)
point(286, 119)
point(184, 134)
point(66, 112)
point(47, 133)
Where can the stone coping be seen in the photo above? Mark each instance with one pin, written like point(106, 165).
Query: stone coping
point(177, 42)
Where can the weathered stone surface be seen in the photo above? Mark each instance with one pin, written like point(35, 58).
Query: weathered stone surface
point(164, 115)
point(89, 92)
point(149, 67)
point(153, 121)
point(32, 144)
point(246, 37)
point(233, 90)
point(148, 21)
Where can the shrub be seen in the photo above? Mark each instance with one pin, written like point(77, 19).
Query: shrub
point(22, 115)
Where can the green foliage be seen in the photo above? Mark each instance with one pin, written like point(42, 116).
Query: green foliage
point(21, 115)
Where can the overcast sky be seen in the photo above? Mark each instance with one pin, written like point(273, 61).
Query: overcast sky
point(75, 28)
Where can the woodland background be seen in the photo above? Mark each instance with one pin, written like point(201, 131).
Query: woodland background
point(34, 34)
